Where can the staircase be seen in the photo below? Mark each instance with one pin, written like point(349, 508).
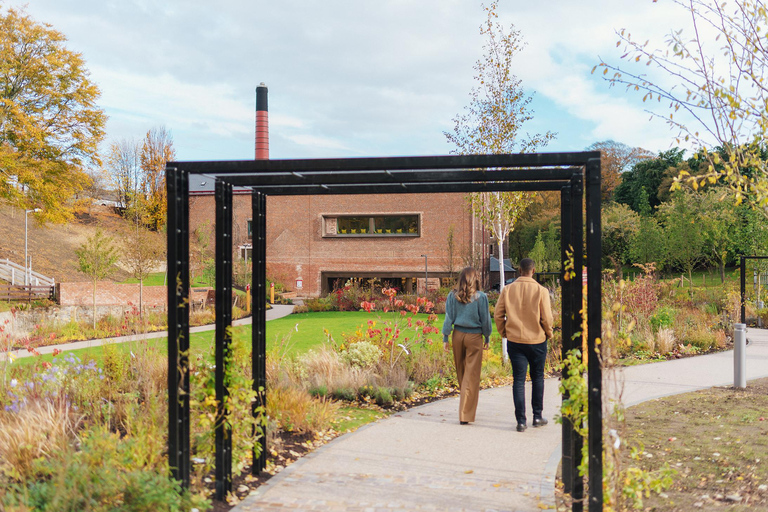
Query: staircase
point(14, 274)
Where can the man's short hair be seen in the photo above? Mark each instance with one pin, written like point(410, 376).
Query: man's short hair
point(526, 265)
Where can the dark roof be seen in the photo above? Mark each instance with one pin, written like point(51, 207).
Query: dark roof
point(507, 265)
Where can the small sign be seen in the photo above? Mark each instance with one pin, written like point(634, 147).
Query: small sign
point(248, 287)
point(299, 284)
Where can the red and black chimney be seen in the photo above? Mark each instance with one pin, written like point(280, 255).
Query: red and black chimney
point(262, 123)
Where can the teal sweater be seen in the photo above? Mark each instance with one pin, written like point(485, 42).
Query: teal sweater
point(472, 318)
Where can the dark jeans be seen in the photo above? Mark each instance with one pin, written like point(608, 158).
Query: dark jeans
point(521, 355)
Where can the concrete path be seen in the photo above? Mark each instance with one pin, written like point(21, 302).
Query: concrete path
point(277, 311)
point(422, 459)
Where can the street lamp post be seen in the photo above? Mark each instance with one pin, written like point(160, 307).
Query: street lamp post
point(27, 278)
point(426, 274)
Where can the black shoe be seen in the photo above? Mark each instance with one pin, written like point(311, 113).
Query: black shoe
point(521, 427)
point(539, 422)
point(463, 423)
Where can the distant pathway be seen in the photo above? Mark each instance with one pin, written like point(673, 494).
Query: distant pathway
point(422, 459)
point(277, 311)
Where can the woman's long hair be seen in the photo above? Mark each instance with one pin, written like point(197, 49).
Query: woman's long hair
point(467, 286)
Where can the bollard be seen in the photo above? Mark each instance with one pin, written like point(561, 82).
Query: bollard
point(740, 355)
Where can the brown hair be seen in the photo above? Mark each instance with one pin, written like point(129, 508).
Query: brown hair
point(467, 286)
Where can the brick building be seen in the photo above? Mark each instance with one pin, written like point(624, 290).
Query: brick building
point(316, 242)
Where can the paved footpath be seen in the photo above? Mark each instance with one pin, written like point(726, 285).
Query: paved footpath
point(277, 311)
point(422, 459)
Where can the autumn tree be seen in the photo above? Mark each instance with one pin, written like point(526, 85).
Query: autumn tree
point(156, 150)
point(95, 258)
point(50, 126)
point(615, 158)
point(711, 76)
point(142, 251)
point(493, 121)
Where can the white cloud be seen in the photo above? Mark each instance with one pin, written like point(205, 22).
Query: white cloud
point(346, 78)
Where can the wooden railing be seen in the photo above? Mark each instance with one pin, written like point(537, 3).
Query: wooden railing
point(28, 293)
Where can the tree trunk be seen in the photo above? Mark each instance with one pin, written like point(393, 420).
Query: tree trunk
point(690, 283)
point(141, 299)
point(722, 272)
point(94, 305)
point(502, 281)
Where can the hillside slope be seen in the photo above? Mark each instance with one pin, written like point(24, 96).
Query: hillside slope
point(52, 247)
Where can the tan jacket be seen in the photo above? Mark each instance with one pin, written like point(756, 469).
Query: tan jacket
point(523, 312)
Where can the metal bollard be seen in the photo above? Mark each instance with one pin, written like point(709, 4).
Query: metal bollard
point(740, 355)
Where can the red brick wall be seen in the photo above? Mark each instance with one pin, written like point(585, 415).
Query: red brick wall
point(296, 247)
point(108, 293)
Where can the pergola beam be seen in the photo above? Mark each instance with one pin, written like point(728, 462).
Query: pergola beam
point(539, 160)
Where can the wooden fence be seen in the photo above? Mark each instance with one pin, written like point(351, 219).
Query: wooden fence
point(28, 293)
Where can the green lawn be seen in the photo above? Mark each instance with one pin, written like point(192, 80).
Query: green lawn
point(297, 333)
point(159, 279)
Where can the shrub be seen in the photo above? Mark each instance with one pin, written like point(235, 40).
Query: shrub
point(382, 396)
point(347, 394)
point(300, 309)
point(702, 338)
point(101, 476)
point(319, 304)
point(318, 391)
point(664, 318)
point(362, 354)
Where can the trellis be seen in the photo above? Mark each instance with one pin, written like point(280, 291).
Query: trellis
point(575, 175)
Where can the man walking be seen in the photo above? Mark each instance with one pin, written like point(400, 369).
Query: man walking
point(524, 317)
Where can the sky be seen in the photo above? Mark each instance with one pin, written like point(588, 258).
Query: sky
point(350, 78)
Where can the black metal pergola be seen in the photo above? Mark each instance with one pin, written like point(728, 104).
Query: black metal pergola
point(576, 175)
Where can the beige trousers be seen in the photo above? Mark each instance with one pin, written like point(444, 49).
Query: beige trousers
point(468, 357)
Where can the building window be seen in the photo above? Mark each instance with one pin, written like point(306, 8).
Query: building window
point(366, 225)
point(249, 223)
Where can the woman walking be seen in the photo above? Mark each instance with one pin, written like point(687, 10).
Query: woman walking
point(467, 315)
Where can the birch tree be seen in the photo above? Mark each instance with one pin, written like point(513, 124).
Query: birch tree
point(711, 80)
point(492, 124)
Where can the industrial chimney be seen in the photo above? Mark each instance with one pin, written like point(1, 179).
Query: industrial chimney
point(262, 123)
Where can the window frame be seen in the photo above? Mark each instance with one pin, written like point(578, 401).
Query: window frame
point(330, 225)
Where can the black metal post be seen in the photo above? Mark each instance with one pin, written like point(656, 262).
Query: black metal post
point(594, 320)
point(566, 243)
point(177, 183)
point(577, 305)
point(743, 287)
point(223, 427)
point(259, 333)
